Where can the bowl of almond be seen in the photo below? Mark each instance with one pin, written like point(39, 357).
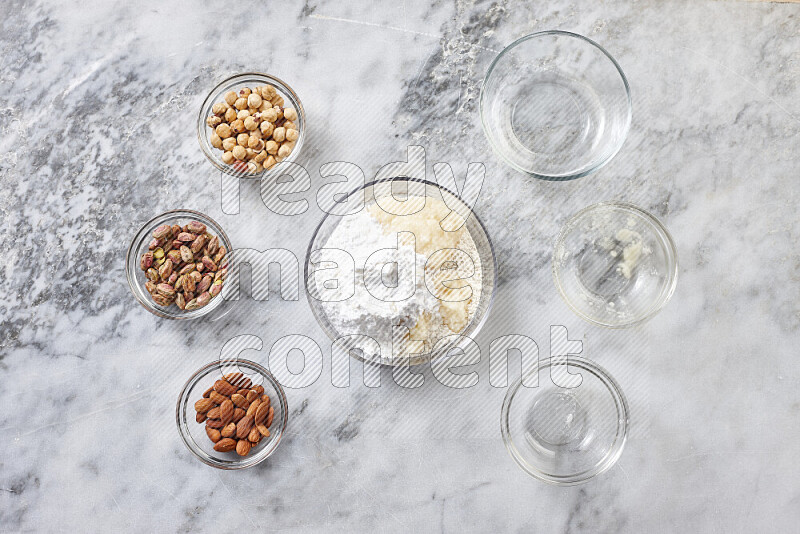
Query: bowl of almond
point(232, 414)
point(249, 123)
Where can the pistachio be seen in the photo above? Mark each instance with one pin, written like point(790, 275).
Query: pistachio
point(186, 253)
point(209, 263)
point(189, 283)
point(165, 270)
point(176, 244)
point(197, 244)
point(161, 300)
point(166, 290)
point(221, 274)
point(196, 227)
point(203, 299)
point(186, 237)
point(150, 286)
point(179, 282)
point(192, 305)
point(205, 283)
point(152, 274)
point(213, 245)
point(188, 295)
point(155, 243)
point(187, 269)
point(158, 253)
point(172, 278)
point(162, 231)
point(216, 287)
point(175, 256)
point(199, 266)
point(147, 261)
point(180, 301)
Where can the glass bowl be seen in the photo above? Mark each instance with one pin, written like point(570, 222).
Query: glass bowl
point(615, 264)
point(235, 83)
point(139, 245)
point(366, 197)
point(565, 436)
point(555, 105)
point(194, 433)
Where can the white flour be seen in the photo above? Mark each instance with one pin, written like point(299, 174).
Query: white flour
point(375, 311)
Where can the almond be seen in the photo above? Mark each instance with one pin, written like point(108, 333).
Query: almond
point(217, 398)
point(269, 417)
point(254, 436)
point(226, 411)
point(259, 389)
point(213, 434)
point(251, 395)
point(243, 392)
point(239, 401)
point(238, 413)
point(200, 417)
point(213, 413)
point(243, 427)
point(251, 410)
point(264, 431)
point(215, 423)
point(234, 378)
point(243, 447)
point(203, 405)
point(229, 430)
point(261, 413)
point(225, 445)
point(265, 398)
point(224, 388)
point(208, 392)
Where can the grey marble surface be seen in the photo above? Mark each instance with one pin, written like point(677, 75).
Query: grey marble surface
point(98, 104)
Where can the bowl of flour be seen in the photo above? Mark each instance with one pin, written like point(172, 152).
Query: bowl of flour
point(399, 272)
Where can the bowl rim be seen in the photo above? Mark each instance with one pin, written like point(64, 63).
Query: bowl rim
point(401, 361)
point(621, 438)
point(594, 167)
point(183, 402)
point(263, 77)
point(130, 273)
point(669, 244)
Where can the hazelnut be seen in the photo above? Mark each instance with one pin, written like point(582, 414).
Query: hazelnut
point(219, 108)
point(227, 158)
point(228, 144)
point(230, 97)
point(265, 105)
point(250, 153)
point(290, 114)
point(256, 144)
point(242, 139)
point(292, 135)
point(261, 156)
point(245, 92)
point(241, 103)
point(239, 152)
point(230, 115)
point(289, 125)
point(269, 162)
point(278, 111)
point(250, 123)
point(279, 134)
point(254, 100)
point(243, 114)
point(213, 121)
point(237, 126)
point(270, 115)
point(256, 133)
point(271, 147)
point(223, 130)
point(277, 101)
point(270, 91)
point(267, 128)
point(215, 140)
point(284, 150)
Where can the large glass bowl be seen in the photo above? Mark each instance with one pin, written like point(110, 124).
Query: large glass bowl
point(235, 83)
point(615, 264)
point(565, 436)
point(476, 229)
point(139, 245)
point(555, 105)
point(193, 433)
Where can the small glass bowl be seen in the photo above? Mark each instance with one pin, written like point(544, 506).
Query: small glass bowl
point(235, 83)
point(139, 245)
point(473, 224)
point(194, 433)
point(615, 264)
point(555, 105)
point(565, 436)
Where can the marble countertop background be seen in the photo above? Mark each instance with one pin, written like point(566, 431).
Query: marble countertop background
point(98, 103)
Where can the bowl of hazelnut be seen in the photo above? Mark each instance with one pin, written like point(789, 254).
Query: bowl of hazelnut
point(249, 123)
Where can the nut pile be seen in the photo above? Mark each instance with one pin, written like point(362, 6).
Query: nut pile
point(236, 413)
point(253, 129)
point(185, 265)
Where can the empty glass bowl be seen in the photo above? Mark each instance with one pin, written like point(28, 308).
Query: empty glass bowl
point(565, 436)
point(194, 433)
point(137, 279)
point(555, 105)
point(235, 83)
point(365, 197)
point(615, 264)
